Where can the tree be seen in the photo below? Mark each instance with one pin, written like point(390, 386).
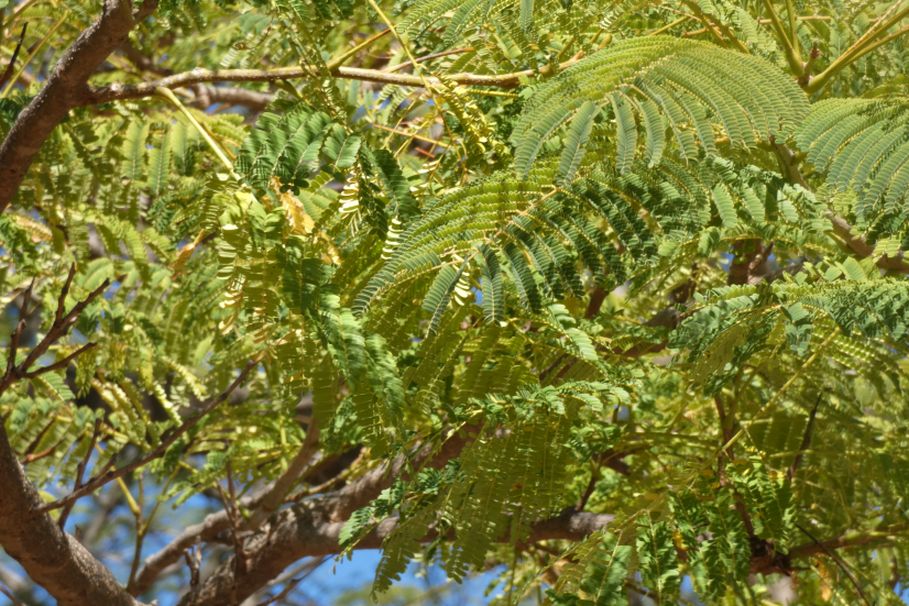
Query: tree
point(609, 293)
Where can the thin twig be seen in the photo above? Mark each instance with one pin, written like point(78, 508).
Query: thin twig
point(591, 487)
point(806, 440)
point(63, 321)
point(430, 57)
point(839, 562)
point(168, 441)
point(233, 515)
point(8, 593)
point(193, 557)
point(8, 72)
point(80, 471)
point(292, 580)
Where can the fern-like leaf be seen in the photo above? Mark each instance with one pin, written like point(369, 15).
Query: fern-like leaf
point(697, 86)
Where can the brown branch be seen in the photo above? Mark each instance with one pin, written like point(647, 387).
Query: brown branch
point(52, 558)
point(334, 507)
point(343, 502)
point(299, 465)
point(80, 472)
point(788, 162)
point(63, 321)
point(118, 92)
point(66, 88)
point(11, 596)
point(8, 72)
point(312, 528)
point(291, 581)
point(193, 559)
point(839, 562)
point(144, 63)
point(19, 586)
point(205, 95)
point(314, 525)
point(212, 527)
point(201, 95)
point(806, 441)
point(159, 451)
point(860, 246)
point(206, 530)
point(304, 531)
point(883, 536)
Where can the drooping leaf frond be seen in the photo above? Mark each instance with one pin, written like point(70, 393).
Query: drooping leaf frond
point(693, 89)
point(863, 145)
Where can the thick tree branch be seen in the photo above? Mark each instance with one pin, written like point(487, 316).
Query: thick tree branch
point(860, 246)
point(215, 524)
point(304, 531)
point(53, 559)
point(312, 528)
point(66, 88)
point(344, 501)
point(273, 498)
point(313, 525)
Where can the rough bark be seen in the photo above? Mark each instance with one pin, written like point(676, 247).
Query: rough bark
point(206, 530)
point(313, 527)
point(52, 558)
point(303, 531)
point(66, 88)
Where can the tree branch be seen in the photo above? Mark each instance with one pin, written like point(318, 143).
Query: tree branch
point(52, 558)
point(119, 92)
point(8, 72)
point(304, 531)
point(790, 45)
point(205, 95)
point(66, 88)
point(214, 524)
point(159, 451)
point(272, 500)
point(63, 321)
point(788, 162)
point(206, 530)
point(866, 43)
point(310, 526)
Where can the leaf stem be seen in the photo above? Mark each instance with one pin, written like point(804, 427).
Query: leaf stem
point(868, 42)
point(215, 147)
point(793, 56)
point(340, 59)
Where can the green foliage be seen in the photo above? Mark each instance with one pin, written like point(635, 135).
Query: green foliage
point(293, 146)
point(689, 86)
point(633, 262)
point(863, 145)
